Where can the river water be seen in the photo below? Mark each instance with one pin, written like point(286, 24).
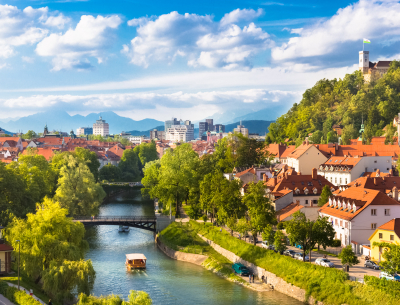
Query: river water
point(166, 280)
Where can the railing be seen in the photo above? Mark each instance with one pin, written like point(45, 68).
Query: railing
point(116, 218)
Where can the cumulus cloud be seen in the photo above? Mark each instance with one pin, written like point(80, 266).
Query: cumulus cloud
point(371, 19)
point(200, 39)
point(25, 27)
point(90, 38)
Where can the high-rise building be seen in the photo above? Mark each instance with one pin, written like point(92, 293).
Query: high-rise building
point(169, 123)
point(180, 132)
point(219, 128)
point(157, 134)
point(240, 129)
point(84, 131)
point(101, 128)
point(203, 127)
point(210, 123)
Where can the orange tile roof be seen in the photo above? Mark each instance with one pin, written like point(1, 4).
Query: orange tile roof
point(359, 150)
point(361, 197)
point(288, 211)
point(249, 170)
point(299, 151)
point(392, 225)
point(375, 174)
point(117, 149)
point(288, 151)
point(345, 161)
point(376, 183)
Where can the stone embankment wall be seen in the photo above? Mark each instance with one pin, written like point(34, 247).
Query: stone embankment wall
point(278, 283)
point(197, 259)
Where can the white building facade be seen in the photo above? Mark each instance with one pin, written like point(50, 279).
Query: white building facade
point(101, 128)
point(342, 170)
point(180, 133)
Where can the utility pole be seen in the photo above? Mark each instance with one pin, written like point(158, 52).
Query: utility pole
point(19, 253)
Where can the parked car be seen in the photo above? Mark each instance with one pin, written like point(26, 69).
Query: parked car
point(299, 256)
point(240, 269)
point(371, 264)
point(298, 246)
point(265, 245)
point(324, 262)
point(390, 277)
point(290, 253)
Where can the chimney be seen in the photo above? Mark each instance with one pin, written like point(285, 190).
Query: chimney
point(304, 142)
point(286, 175)
point(273, 180)
point(375, 181)
point(265, 178)
point(390, 173)
point(378, 172)
point(395, 193)
point(314, 174)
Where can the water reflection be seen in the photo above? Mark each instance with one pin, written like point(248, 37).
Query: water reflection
point(166, 280)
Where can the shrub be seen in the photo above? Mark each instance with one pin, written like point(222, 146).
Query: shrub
point(16, 296)
point(281, 226)
point(336, 243)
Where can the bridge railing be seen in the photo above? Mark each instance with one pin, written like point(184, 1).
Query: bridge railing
point(116, 218)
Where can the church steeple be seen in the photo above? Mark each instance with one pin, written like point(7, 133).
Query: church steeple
point(46, 131)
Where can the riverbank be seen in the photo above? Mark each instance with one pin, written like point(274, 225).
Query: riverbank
point(325, 285)
point(181, 242)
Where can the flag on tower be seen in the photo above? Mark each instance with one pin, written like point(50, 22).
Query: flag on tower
point(366, 40)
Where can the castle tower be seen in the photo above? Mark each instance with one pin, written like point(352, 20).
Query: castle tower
point(363, 62)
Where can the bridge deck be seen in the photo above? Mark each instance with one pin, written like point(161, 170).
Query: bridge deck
point(142, 222)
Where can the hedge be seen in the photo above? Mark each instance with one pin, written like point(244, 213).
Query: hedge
point(16, 296)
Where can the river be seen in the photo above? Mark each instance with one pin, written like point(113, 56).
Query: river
point(166, 280)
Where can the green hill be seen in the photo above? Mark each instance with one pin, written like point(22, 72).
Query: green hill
point(347, 102)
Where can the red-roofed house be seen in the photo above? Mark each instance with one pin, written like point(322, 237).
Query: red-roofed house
point(5, 255)
point(305, 157)
point(389, 233)
point(357, 212)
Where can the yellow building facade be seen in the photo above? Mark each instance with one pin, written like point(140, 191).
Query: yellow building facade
point(386, 233)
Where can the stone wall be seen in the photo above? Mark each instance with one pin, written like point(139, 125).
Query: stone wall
point(196, 259)
point(278, 283)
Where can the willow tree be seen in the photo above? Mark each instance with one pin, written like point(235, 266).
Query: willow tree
point(78, 191)
point(135, 298)
point(52, 249)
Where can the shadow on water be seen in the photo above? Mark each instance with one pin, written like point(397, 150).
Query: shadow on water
point(166, 280)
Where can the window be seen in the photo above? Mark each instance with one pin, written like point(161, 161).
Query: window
point(380, 235)
point(375, 161)
point(346, 225)
point(373, 226)
point(387, 212)
point(373, 212)
point(345, 181)
point(306, 201)
point(335, 180)
point(387, 169)
point(335, 221)
point(340, 180)
point(391, 237)
point(341, 223)
point(315, 201)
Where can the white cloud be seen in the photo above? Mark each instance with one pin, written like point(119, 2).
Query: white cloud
point(57, 21)
point(195, 105)
point(89, 39)
point(201, 40)
point(296, 31)
point(27, 59)
point(371, 19)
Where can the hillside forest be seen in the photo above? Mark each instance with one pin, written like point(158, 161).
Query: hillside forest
point(348, 102)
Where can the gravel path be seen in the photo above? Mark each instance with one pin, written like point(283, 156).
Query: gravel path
point(4, 301)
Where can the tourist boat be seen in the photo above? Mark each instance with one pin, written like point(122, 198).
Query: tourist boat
point(123, 229)
point(135, 261)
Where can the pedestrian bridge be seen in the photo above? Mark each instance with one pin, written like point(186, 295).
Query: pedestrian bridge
point(142, 222)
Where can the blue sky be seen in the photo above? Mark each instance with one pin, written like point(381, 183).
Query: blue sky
point(188, 59)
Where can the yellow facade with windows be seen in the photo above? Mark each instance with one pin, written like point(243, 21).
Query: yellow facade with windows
point(386, 233)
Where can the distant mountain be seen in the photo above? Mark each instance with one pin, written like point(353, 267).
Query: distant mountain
point(146, 132)
point(254, 126)
point(61, 120)
point(267, 114)
point(7, 132)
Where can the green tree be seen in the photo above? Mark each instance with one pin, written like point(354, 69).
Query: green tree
point(268, 234)
point(390, 132)
point(280, 241)
point(90, 159)
point(129, 165)
point(391, 257)
point(135, 298)
point(110, 172)
point(259, 209)
point(349, 133)
point(77, 191)
point(30, 135)
point(242, 226)
point(325, 194)
point(52, 249)
point(316, 137)
point(331, 137)
point(308, 233)
point(348, 257)
point(146, 152)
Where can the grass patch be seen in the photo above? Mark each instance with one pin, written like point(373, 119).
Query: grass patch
point(16, 296)
point(183, 237)
point(325, 252)
point(330, 286)
point(28, 284)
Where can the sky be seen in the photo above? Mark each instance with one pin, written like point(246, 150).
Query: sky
point(185, 59)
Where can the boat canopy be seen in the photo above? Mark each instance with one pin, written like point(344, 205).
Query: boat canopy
point(134, 256)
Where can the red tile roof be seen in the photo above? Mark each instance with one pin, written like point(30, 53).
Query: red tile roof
point(376, 183)
point(360, 197)
point(392, 225)
point(288, 211)
point(299, 151)
point(4, 247)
